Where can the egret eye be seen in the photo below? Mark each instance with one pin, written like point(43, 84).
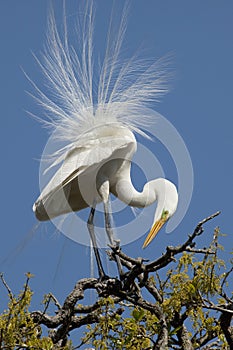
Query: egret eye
point(165, 215)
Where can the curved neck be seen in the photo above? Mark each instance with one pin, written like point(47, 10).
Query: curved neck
point(127, 193)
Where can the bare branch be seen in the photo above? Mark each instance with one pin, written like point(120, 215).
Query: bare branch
point(7, 287)
point(162, 341)
point(225, 323)
point(56, 302)
point(153, 291)
point(128, 292)
point(199, 251)
point(172, 251)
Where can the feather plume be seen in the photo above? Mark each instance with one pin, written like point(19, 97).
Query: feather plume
point(80, 100)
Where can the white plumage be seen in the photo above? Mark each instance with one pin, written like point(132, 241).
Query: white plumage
point(96, 109)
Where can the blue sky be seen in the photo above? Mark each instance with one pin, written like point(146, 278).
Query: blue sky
point(199, 105)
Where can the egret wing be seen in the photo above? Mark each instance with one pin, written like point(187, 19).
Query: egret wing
point(82, 157)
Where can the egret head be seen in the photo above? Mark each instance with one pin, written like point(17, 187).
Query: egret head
point(167, 200)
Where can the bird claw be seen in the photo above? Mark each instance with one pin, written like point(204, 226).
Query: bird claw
point(117, 243)
point(103, 278)
point(115, 247)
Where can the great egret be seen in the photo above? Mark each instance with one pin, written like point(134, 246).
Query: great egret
point(98, 124)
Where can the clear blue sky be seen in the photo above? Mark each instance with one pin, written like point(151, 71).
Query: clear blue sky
point(200, 106)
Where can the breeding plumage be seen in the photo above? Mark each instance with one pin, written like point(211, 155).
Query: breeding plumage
point(96, 110)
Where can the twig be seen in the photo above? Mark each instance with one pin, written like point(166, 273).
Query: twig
point(207, 219)
point(56, 302)
point(7, 287)
point(172, 251)
point(127, 291)
point(199, 251)
point(226, 276)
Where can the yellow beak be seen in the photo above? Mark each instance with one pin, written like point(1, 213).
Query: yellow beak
point(153, 232)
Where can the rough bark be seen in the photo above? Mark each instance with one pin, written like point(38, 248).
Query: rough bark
point(69, 316)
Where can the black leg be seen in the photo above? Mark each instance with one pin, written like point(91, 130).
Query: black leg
point(109, 231)
point(90, 226)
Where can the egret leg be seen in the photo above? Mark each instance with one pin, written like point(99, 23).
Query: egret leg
point(110, 234)
point(90, 226)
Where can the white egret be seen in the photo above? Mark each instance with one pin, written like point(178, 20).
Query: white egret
point(97, 117)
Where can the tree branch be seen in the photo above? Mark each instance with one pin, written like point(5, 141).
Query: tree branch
point(172, 251)
point(129, 290)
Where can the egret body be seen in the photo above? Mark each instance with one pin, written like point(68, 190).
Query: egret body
point(100, 135)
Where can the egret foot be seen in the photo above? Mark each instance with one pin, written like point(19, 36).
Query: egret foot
point(103, 278)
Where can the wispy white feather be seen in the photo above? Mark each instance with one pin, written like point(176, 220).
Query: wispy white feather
point(80, 100)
